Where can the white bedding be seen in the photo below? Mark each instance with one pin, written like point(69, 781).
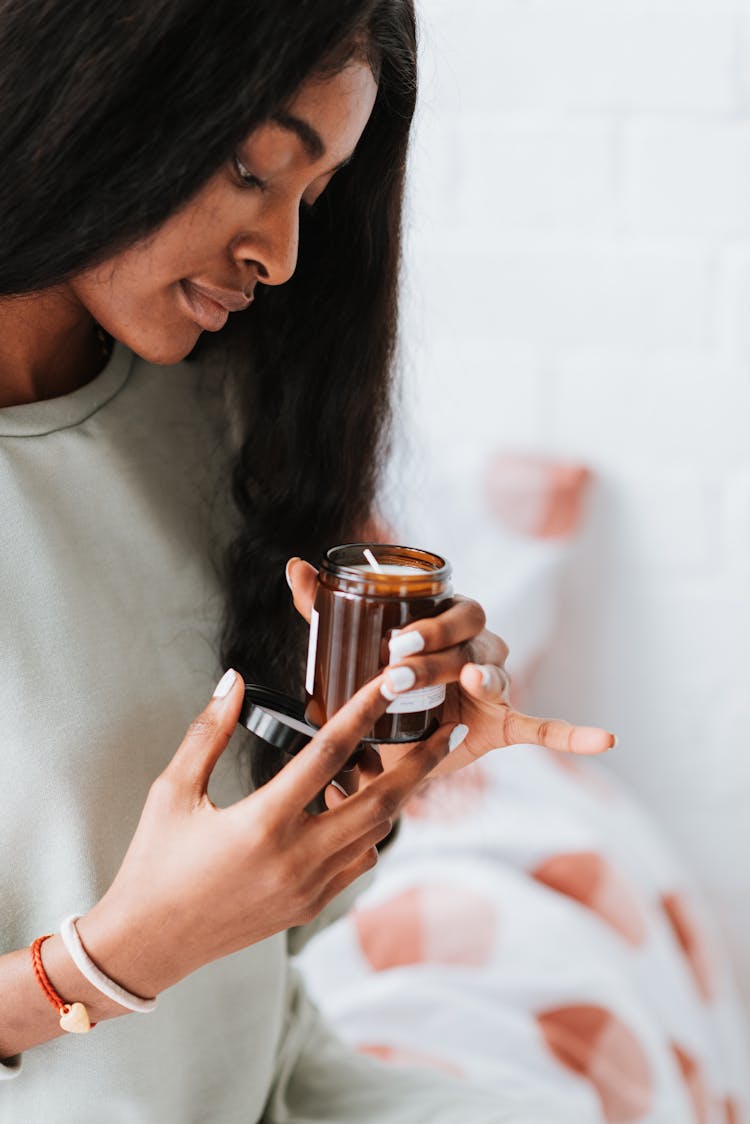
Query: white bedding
point(529, 932)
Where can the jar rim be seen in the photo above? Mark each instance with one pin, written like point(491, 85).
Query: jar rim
point(340, 560)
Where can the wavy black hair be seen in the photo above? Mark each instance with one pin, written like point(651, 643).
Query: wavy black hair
point(113, 114)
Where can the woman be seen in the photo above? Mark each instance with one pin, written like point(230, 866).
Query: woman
point(165, 166)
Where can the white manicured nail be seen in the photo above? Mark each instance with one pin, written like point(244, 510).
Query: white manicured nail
point(400, 679)
point(458, 734)
point(224, 686)
point(286, 572)
point(486, 675)
point(339, 788)
point(405, 644)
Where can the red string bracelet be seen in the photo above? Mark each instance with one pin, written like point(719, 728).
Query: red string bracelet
point(73, 1016)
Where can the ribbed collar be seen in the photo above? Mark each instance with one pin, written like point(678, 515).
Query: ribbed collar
point(38, 418)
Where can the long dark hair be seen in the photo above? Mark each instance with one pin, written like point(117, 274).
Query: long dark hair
point(113, 115)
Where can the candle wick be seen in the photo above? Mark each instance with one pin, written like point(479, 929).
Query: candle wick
point(372, 560)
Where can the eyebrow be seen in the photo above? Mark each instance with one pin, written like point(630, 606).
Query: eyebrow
point(310, 137)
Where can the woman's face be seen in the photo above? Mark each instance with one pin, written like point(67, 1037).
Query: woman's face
point(240, 229)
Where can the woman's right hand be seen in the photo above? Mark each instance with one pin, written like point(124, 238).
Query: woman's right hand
point(199, 882)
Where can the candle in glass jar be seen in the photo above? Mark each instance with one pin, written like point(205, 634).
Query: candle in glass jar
point(366, 592)
point(387, 568)
point(376, 567)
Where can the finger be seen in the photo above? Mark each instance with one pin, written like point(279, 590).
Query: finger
point(369, 765)
point(349, 781)
point(554, 733)
point(349, 854)
point(383, 799)
point(327, 752)
point(486, 682)
point(208, 735)
point(346, 876)
point(302, 579)
point(458, 624)
point(334, 794)
point(489, 682)
point(488, 648)
point(423, 671)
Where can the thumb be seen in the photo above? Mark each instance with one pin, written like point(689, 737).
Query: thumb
point(303, 582)
point(208, 736)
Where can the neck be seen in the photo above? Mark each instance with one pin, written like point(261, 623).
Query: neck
point(49, 346)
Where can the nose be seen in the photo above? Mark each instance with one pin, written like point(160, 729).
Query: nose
point(271, 247)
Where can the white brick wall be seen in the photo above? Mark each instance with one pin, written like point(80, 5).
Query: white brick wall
point(571, 293)
point(688, 177)
point(579, 283)
point(733, 301)
point(634, 56)
point(531, 172)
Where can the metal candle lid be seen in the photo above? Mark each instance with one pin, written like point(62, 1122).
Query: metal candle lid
point(276, 718)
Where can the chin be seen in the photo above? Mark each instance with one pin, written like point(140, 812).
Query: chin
point(164, 351)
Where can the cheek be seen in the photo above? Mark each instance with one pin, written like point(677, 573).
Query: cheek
point(135, 297)
point(185, 245)
point(128, 287)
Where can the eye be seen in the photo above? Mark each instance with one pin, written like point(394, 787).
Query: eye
point(246, 176)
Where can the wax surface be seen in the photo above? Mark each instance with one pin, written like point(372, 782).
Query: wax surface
point(388, 568)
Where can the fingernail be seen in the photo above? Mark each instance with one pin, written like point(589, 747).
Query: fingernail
point(400, 679)
point(339, 788)
point(615, 741)
point(224, 686)
point(405, 644)
point(286, 571)
point(486, 675)
point(458, 734)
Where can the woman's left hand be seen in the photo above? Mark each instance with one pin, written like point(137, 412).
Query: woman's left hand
point(456, 649)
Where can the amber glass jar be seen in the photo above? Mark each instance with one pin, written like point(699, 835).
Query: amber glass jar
point(357, 607)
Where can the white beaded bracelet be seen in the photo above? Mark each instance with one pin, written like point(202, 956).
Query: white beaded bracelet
point(94, 975)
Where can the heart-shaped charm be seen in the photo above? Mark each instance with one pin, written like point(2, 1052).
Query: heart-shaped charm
point(75, 1019)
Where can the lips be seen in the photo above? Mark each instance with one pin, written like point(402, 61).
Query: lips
point(210, 308)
